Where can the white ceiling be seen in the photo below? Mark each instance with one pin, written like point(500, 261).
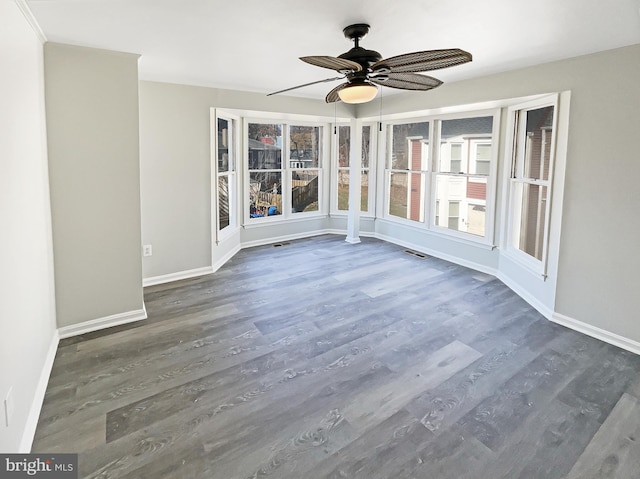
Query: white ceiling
point(254, 45)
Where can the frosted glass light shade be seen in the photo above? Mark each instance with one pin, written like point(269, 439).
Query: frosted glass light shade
point(358, 93)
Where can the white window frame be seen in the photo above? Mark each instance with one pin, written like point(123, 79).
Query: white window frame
point(322, 158)
point(285, 170)
point(371, 169)
point(513, 163)
point(232, 175)
point(386, 158)
point(432, 172)
point(491, 180)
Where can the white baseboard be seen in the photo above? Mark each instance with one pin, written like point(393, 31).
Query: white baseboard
point(168, 278)
point(598, 333)
point(524, 294)
point(38, 397)
point(438, 254)
point(221, 262)
point(280, 239)
point(102, 323)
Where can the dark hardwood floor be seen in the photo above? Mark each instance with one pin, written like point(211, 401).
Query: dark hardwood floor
point(322, 359)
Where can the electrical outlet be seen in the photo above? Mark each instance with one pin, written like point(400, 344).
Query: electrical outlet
point(8, 407)
point(147, 250)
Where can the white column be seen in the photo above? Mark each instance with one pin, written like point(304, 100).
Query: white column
point(355, 171)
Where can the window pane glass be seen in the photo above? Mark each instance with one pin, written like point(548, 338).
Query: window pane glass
point(455, 197)
point(532, 218)
point(344, 136)
point(410, 146)
point(343, 190)
point(364, 192)
point(304, 142)
point(366, 141)
point(224, 141)
point(406, 196)
point(304, 191)
point(538, 143)
point(223, 202)
point(265, 146)
point(265, 194)
point(476, 217)
point(459, 137)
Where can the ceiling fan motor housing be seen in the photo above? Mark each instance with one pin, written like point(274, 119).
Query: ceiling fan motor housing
point(365, 58)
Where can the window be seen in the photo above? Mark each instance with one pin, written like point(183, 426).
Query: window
point(224, 187)
point(407, 166)
point(265, 169)
point(463, 173)
point(284, 169)
point(530, 182)
point(342, 152)
point(304, 162)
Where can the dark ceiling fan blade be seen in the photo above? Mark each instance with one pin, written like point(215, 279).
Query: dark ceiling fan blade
point(333, 96)
point(422, 61)
point(406, 81)
point(333, 63)
point(306, 84)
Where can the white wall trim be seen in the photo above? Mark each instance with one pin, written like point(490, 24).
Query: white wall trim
point(29, 431)
point(221, 262)
point(524, 294)
point(598, 333)
point(279, 239)
point(438, 254)
point(168, 278)
point(31, 20)
point(102, 323)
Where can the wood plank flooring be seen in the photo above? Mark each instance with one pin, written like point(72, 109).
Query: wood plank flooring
point(322, 359)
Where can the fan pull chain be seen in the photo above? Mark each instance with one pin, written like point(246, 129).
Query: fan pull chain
point(335, 117)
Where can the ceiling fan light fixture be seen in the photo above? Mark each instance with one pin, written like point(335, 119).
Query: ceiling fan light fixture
point(358, 93)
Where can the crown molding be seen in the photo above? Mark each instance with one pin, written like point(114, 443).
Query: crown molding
point(31, 20)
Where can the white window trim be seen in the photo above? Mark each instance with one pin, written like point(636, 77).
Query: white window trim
point(285, 170)
point(385, 178)
point(373, 155)
point(489, 239)
point(539, 267)
point(234, 182)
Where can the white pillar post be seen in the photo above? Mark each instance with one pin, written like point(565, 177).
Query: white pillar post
point(355, 173)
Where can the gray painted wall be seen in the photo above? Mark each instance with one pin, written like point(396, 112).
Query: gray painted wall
point(27, 307)
point(598, 268)
point(93, 131)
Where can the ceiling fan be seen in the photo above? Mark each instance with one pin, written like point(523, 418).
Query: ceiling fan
point(365, 69)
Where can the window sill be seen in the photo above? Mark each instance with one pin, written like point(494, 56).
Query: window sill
point(276, 220)
point(420, 227)
point(521, 259)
